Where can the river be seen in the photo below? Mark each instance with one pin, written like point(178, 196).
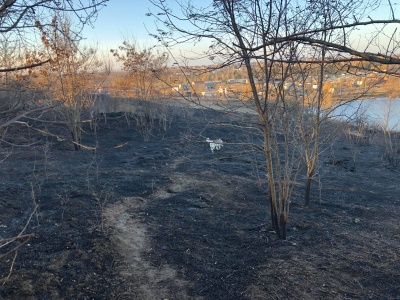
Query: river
point(383, 112)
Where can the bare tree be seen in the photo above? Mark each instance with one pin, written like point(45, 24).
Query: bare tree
point(145, 67)
point(21, 23)
point(229, 24)
point(74, 74)
point(270, 38)
point(21, 18)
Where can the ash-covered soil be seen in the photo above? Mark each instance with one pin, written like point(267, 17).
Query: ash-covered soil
point(154, 214)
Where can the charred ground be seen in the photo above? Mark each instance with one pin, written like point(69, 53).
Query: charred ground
point(156, 215)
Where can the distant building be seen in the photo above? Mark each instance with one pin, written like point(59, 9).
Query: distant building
point(211, 85)
point(240, 80)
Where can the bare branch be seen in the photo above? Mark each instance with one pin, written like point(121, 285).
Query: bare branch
point(24, 67)
point(366, 56)
point(24, 114)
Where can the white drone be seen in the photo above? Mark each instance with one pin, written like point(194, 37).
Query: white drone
point(215, 144)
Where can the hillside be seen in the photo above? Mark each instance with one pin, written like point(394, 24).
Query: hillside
point(154, 214)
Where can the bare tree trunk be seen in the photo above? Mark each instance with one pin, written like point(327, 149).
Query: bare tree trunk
point(282, 226)
point(307, 194)
point(312, 163)
point(76, 138)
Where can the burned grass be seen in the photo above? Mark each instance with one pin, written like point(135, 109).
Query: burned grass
point(161, 216)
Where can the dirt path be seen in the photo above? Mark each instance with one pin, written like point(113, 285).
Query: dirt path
point(132, 241)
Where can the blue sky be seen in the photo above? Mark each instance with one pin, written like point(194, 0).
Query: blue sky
point(122, 19)
point(127, 19)
point(119, 19)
